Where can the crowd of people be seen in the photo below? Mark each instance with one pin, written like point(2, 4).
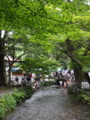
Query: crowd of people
point(64, 76)
point(27, 80)
point(61, 78)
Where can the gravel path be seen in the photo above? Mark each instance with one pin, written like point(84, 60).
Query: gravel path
point(50, 104)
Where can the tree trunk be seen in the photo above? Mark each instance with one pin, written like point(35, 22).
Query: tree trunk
point(2, 65)
point(79, 75)
point(43, 77)
point(9, 75)
point(78, 69)
point(68, 0)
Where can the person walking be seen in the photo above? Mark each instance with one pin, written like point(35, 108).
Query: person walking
point(37, 85)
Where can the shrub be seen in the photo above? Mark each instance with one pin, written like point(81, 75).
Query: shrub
point(79, 94)
point(27, 91)
point(8, 102)
point(79, 97)
point(2, 108)
point(48, 83)
point(86, 99)
point(70, 90)
point(19, 96)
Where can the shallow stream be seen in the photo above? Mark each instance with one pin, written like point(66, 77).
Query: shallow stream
point(50, 103)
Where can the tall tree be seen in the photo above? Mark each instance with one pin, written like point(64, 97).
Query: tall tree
point(47, 20)
point(69, 33)
point(2, 53)
point(11, 20)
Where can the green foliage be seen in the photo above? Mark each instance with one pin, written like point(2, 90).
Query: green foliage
point(27, 91)
point(39, 65)
point(19, 96)
point(2, 108)
point(86, 99)
point(70, 90)
point(8, 102)
point(80, 96)
point(22, 94)
point(48, 83)
point(49, 23)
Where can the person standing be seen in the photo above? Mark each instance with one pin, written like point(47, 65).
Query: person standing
point(28, 78)
point(17, 79)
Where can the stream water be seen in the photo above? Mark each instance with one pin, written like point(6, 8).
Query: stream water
point(50, 103)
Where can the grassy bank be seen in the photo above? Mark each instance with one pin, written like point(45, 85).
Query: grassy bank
point(9, 101)
point(80, 95)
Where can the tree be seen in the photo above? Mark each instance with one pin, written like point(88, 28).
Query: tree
point(52, 23)
point(13, 48)
point(2, 67)
point(11, 20)
point(40, 65)
point(66, 29)
point(69, 33)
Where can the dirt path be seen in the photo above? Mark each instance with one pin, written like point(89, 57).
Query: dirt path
point(50, 104)
point(5, 91)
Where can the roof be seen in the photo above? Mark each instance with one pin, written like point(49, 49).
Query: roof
point(14, 69)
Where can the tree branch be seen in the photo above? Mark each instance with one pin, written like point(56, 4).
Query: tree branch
point(70, 56)
point(86, 51)
point(28, 8)
point(20, 56)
